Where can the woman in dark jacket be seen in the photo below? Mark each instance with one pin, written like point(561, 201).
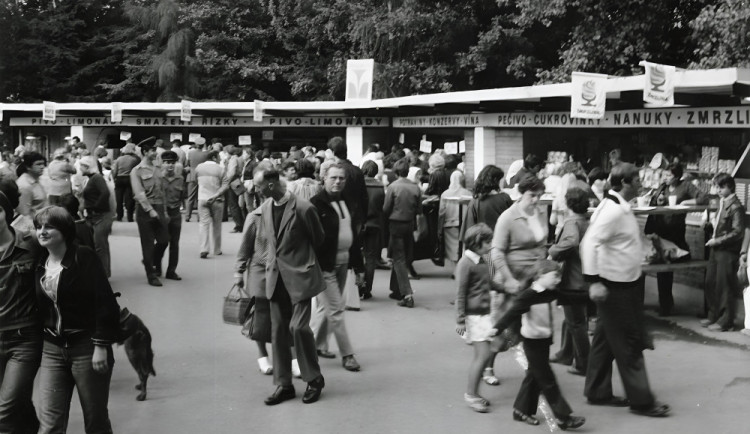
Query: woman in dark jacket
point(80, 316)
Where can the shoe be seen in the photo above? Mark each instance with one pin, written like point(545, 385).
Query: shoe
point(477, 403)
point(350, 363)
point(235, 231)
point(326, 354)
point(119, 219)
point(204, 255)
point(395, 296)
point(655, 410)
point(383, 265)
point(407, 301)
point(157, 270)
point(264, 366)
point(281, 394)
point(353, 309)
point(576, 371)
point(612, 401)
point(489, 377)
point(523, 417)
point(412, 272)
point(706, 322)
point(187, 219)
point(718, 328)
point(571, 422)
point(171, 275)
point(560, 361)
point(218, 253)
point(366, 296)
point(154, 281)
point(745, 332)
point(314, 389)
point(296, 373)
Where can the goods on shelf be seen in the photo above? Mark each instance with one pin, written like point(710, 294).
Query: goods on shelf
point(557, 157)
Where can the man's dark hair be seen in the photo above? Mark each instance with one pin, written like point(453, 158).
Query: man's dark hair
point(724, 180)
point(213, 155)
point(338, 146)
point(369, 168)
point(531, 161)
point(288, 164)
point(676, 170)
point(169, 156)
point(177, 142)
point(71, 204)
point(305, 168)
point(271, 175)
point(27, 160)
point(577, 200)
point(530, 183)
point(622, 173)
point(596, 174)
point(451, 162)
point(401, 167)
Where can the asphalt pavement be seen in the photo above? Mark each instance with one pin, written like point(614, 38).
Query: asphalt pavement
point(414, 366)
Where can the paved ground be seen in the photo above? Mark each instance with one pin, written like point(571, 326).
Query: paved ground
point(414, 365)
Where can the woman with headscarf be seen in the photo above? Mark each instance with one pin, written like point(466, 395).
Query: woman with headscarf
point(448, 216)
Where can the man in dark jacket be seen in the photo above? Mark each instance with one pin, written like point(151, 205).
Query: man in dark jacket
point(373, 234)
point(333, 257)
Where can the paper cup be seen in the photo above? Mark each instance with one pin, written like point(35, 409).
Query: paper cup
point(672, 200)
point(642, 202)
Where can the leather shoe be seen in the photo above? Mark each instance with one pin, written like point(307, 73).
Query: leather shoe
point(395, 296)
point(281, 394)
point(560, 361)
point(204, 255)
point(326, 354)
point(154, 281)
point(314, 389)
point(173, 276)
point(612, 401)
point(407, 301)
point(575, 371)
point(350, 363)
point(571, 422)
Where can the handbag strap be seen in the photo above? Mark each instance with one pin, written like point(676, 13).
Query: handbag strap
point(239, 290)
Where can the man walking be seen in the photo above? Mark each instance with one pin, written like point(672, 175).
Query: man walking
point(403, 201)
point(121, 169)
point(194, 158)
point(233, 193)
point(98, 214)
point(611, 260)
point(174, 193)
point(293, 278)
point(333, 257)
point(212, 183)
point(150, 213)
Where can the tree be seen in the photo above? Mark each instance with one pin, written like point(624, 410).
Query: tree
point(722, 35)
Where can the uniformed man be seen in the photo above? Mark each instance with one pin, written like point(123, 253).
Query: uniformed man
point(150, 211)
point(174, 193)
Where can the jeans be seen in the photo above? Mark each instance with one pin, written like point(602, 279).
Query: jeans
point(124, 196)
point(62, 370)
point(400, 248)
point(102, 225)
point(330, 312)
point(20, 355)
point(233, 206)
point(209, 219)
point(153, 234)
point(373, 246)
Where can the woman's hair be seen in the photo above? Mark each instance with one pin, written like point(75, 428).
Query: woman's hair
point(28, 159)
point(369, 168)
point(724, 180)
point(476, 235)
point(622, 173)
point(530, 183)
point(487, 180)
point(60, 219)
point(577, 200)
point(531, 161)
point(71, 204)
point(289, 164)
point(305, 168)
point(676, 170)
point(596, 174)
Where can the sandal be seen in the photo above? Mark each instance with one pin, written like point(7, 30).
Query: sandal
point(477, 403)
point(656, 410)
point(523, 417)
point(489, 377)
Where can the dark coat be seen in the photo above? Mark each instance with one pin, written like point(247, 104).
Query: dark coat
point(355, 193)
point(376, 198)
point(84, 297)
point(329, 218)
point(566, 250)
point(730, 227)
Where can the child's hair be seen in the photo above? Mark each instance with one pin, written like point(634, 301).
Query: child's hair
point(476, 235)
point(540, 268)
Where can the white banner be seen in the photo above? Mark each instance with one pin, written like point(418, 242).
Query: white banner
point(245, 140)
point(193, 137)
point(175, 136)
point(116, 112)
point(125, 135)
point(658, 88)
point(359, 77)
point(450, 147)
point(425, 146)
point(462, 147)
point(258, 110)
point(186, 111)
point(50, 111)
point(588, 96)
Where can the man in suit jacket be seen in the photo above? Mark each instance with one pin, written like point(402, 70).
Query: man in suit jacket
point(293, 278)
point(194, 158)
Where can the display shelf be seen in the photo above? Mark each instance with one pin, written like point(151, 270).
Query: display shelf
point(674, 266)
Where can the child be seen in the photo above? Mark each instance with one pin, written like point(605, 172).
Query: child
point(534, 306)
point(473, 306)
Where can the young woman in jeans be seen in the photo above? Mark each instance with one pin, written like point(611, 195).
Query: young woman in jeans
point(81, 320)
point(20, 331)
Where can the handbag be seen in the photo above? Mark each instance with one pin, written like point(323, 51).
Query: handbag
point(237, 304)
point(257, 326)
point(742, 277)
point(237, 186)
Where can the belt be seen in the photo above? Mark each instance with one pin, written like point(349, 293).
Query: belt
point(68, 340)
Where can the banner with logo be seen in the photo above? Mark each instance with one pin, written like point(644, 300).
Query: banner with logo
point(658, 88)
point(186, 111)
point(258, 110)
point(116, 112)
point(359, 77)
point(50, 111)
point(589, 95)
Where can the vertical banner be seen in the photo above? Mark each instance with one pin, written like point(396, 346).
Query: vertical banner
point(258, 111)
point(186, 111)
point(462, 147)
point(1, 112)
point(359, 77)
point(450, 147)
point(116, 112)
point(588, 96)
point(245, 140)
point(425, 146)
point(175, 136)
point(50, 111)
point(659, 86)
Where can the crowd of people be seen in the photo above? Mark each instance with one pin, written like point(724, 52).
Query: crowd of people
point(310, 216)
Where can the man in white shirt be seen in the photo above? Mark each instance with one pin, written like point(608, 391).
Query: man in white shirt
point(212, 183)
point(611, 256)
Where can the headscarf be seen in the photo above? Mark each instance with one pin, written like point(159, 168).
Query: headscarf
point(456, 187)
point(436, 162)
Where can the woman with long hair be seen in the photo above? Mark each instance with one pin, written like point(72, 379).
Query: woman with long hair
point(80, 316)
